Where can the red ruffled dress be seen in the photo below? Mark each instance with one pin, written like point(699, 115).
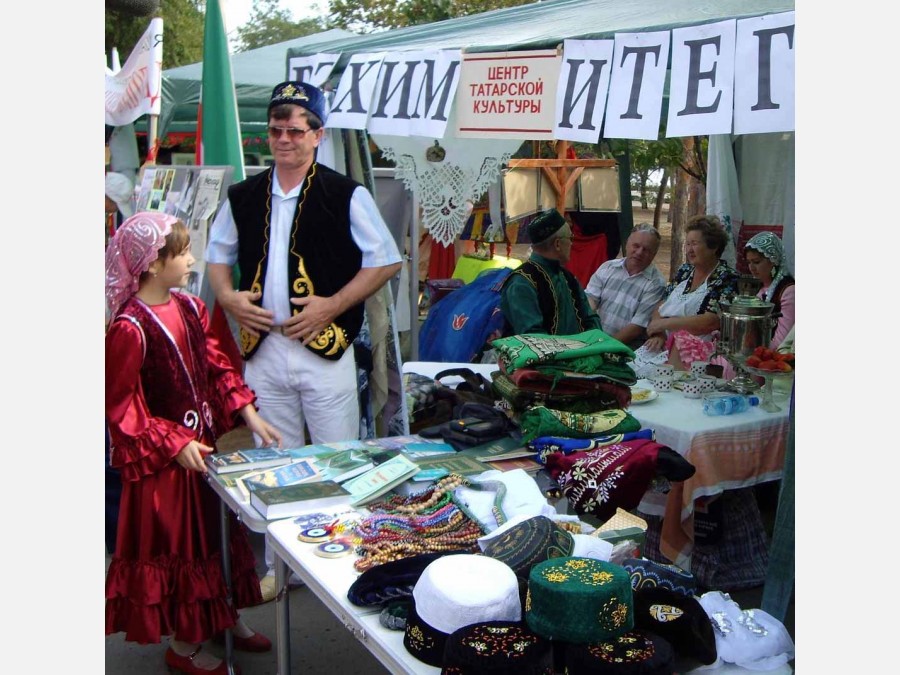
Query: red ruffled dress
point(168, 382)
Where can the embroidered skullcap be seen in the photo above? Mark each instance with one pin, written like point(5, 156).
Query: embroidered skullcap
point(497, 648)
point(770, 246)
point(679, 619)
point(130, 251)
point(120, 189)
point(393, 580)
point(529, 542)
point(302, 94)
point(544, 225)
point(649, 573)
point(636, 652)
point(454, 591)
point(579, 600)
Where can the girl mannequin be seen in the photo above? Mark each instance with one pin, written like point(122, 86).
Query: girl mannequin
point(170, 392)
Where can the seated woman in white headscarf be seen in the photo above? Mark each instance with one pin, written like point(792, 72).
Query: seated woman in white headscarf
point(684, 324)
point(765, 258)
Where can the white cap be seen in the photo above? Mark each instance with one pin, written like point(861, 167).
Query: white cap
point(461, 589)
point(120, 189)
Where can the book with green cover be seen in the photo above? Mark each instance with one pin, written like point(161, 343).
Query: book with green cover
point(502, 448)
point(384, 477)
point(291, 500)
point(452, 463)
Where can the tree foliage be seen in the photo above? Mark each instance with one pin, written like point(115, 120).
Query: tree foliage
point(270, 24)
point(367, 16)
point(182, 31)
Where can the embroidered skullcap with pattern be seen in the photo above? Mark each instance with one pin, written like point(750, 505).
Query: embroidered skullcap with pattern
point(649, 573)
point(299, 93)
point(389, 581)
point(635, 653)
point(131, 249)
point(579, 600)
point(497, 648)
point(529, 542)
point(544, 225)
point(770, 246)
point(454, 591)
point(681, 620)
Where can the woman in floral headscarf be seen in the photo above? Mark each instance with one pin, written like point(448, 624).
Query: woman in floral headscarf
point(765, 257)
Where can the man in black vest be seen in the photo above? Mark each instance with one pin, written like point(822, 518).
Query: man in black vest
point(310, 246)
point(541, 295)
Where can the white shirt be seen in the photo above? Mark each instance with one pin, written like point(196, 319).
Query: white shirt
point(367, 227)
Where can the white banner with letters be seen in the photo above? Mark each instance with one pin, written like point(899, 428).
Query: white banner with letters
point(581, 95)
point(701, 91)
point(414, 93)
point(764, 74)
point(634, 106)
point(730, 74)
point(315, 69)
point(352, 102)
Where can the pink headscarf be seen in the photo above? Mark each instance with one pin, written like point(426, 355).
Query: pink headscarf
point(132, 248)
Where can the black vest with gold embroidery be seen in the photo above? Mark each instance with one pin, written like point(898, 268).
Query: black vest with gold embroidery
point(322, 256)
point(547, 300)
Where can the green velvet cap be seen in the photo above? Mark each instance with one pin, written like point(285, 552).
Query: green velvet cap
point(579, 600)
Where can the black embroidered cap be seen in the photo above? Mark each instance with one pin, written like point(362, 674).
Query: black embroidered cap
point(302, 94)
point(497, 647)
point(634, 653)
point(681, 620)
point(393, 580)
point(545, 224)
point(423, 640)
point(649, 573)
point(526, 544)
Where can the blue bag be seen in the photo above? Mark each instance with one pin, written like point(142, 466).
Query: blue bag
point(458, 326)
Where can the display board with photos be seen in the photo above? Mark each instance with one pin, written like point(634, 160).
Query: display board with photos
point(193, 195)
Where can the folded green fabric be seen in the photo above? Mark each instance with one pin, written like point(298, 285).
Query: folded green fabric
point(620, 373)
point(585, 352)
point(542, 421)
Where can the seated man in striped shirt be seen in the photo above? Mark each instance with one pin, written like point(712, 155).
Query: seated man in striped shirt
point(624, 291)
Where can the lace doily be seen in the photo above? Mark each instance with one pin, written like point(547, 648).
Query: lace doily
point(467, 168)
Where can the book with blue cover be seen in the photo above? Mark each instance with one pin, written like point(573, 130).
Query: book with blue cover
point(298, 471)
point(244, 460)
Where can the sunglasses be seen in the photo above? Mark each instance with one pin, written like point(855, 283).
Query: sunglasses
point(293, 133)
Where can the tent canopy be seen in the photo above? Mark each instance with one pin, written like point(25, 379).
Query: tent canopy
point(254, 72)
point(544, 25)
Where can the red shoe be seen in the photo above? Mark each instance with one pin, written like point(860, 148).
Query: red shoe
point(255, 643)
point(185, 664)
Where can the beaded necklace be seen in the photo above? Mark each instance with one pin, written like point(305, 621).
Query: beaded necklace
point(426, 522)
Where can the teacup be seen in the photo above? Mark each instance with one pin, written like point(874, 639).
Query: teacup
point(707, 383)
point(692, 388)
point(662, 370)
point(662, 383)
point(698, 368)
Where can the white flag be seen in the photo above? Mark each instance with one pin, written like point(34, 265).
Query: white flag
point(137, 88)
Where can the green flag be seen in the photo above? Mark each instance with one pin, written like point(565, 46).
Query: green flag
point(219, 128)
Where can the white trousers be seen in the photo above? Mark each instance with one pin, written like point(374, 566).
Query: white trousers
point(293, 386)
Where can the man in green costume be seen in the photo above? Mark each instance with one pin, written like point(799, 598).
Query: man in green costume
point(542, 296)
